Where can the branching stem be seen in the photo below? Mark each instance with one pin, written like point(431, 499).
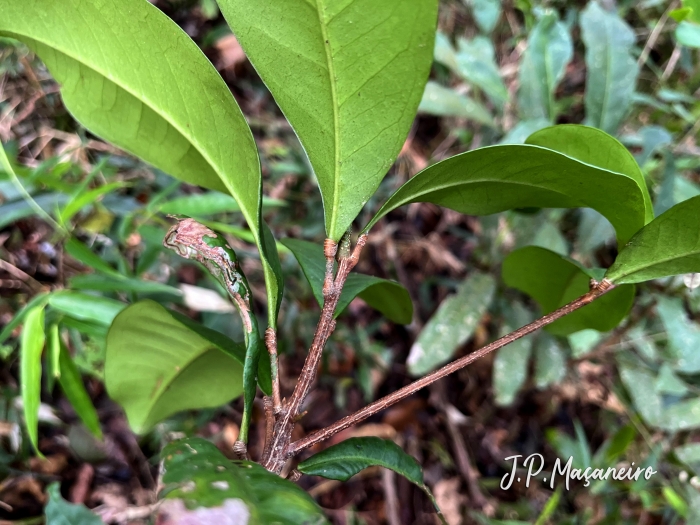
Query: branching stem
point(597, 289)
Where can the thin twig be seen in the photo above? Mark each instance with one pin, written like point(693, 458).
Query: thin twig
point(597, 289)
point(271, 344)
point(653, 37)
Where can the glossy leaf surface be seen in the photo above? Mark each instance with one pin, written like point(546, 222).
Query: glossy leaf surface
point(668, 245)
point(497, 178)
point(348, 76)
point(554, 280)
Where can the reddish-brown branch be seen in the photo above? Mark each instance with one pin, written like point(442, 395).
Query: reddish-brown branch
point(597, 289)
point(332, 288)
point(271, 344)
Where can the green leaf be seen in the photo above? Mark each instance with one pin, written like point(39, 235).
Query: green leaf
point(611, 70)
point(683, 335)
point(157, 364)
point(476, 63)
point(511, 362)
point(348, 77)
point(72, 386)
point(104, 283)
point(445, 102)
point(554, 280)
point(498, 178)
point(31, 346)
point(86, 307)
point(486, 13)
point(550, 362)
point(85, 255)
point(690, 455)
point(388, 297)
point(451, 325)
point(597, 148)
point(209, 203)
point(549, 50)
point(199, 475)
point(668, 245)
point(140, 82)
point(60, 512)
point(38, 300)
point(84, 199)
point(688, 34)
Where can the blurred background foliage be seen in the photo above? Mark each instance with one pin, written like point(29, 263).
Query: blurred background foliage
point(88, 243)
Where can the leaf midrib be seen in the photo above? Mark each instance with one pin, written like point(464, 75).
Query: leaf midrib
point(156, 109)
point(656, 263)
point(336, 117)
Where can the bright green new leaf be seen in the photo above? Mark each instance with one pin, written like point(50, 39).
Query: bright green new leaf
point(158, 363)
point(611, 70)
point(37, 301)
point(31, 346)
point(668, 245)
point(59, 512)
point(554, 280)
point(201, 483)
point(445, 102)
point(498, 178)
point(72, 386)
point(388, 297)
point(451, 325)
point(549, 50)
point(348, 76)
point(131, 76)
point(595, 147)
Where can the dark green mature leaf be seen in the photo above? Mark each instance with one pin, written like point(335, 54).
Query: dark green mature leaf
point(554, 280)
point(72, 386)
point(31, 346)
point(668, 245)
point(141, 83)
point(611, 70)
point(388, 297)
point(348, 76)
point(157, 363)
point(196, 473)
point(595, 147)
point(347, 458)
point(60, 512)
point(497, 178)
point(445, 102)
point(549, 50)
point(451, 325)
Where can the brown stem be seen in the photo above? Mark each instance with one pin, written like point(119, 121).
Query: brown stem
point(326, 324)
point(271, 344)
point(597, 289)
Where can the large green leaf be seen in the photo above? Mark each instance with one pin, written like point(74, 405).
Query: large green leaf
point(60, 512)
point(85, 307)
point(157, 363)
point(451, 325)
point(348, 76)
point(554, 280)
point(31, 346)
point(497, 178)
point(200, 482)
point(668, 245)
point(388, 297)
point(595, 147)
point(611, 70)
point(549, 50)
point(72, 386)
point(131, 76)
